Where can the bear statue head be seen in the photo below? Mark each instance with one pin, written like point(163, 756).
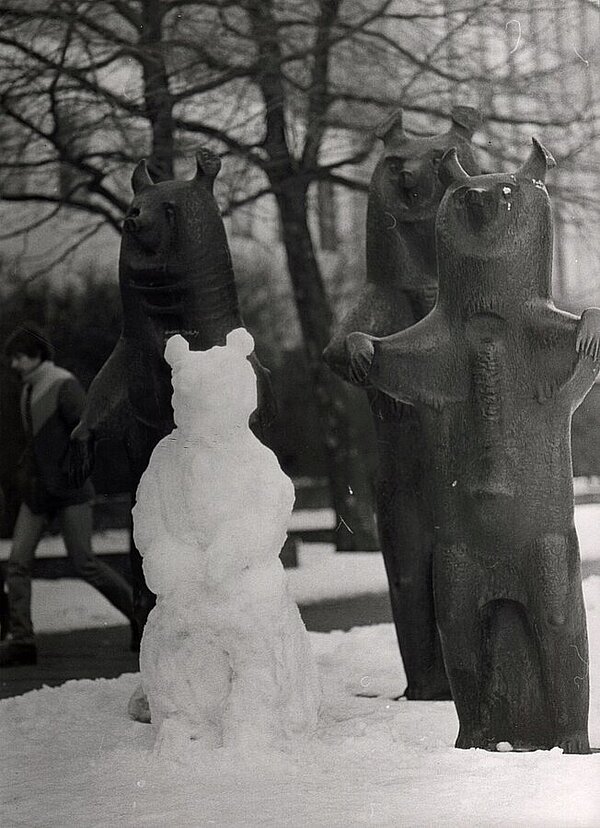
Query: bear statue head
point(214, 391)
point(494, 232)
point(173, 233)
point(405, 181)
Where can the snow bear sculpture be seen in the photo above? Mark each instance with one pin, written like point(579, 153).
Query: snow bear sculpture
point(225, 657)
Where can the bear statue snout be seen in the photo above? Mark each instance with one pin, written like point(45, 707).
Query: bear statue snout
point(477, 196)
point(407, 177)
point(415, 186)
point(481, 206)
point(130, 225)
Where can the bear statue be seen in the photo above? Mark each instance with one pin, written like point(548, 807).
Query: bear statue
point(225, 658)
point(400, 289)
point(495, 371)
point(175, 276)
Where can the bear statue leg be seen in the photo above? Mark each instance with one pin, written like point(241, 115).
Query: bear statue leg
point(406, 536)
point(560, 625)
point(139, 445)
point(513, 708)
point(457, 585)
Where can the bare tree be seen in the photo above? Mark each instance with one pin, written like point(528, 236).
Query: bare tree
point(288, 91)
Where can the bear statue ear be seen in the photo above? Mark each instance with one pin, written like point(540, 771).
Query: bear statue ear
point(450, 170)
point(390, 130)
point(140, 180)
point(241, 340)
point(176, 349)
point(465, 120)
point(208, 165)
point(538, 163)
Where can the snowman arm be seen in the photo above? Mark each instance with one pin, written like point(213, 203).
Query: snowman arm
point(147, 511)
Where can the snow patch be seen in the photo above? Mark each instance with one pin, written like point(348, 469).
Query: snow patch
point(71, 756)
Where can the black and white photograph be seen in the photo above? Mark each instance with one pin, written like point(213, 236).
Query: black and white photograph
point(300, 413)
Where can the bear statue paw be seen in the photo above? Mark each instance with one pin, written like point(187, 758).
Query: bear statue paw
point(360, 350)
point(575, 743)
point(80, 455)
point(470, 738)
point(588, 334)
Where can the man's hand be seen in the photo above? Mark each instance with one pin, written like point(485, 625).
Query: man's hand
point(80, 456)
point(588, 333)
point(360, 350)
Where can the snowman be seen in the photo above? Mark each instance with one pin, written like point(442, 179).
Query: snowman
point(225, 658)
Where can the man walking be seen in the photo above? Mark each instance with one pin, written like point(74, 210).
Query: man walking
point(51, 404)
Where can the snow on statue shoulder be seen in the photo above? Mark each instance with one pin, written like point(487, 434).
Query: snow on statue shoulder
point(224, 654)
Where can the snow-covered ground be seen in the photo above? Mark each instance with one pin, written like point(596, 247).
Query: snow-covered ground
point(72, 757)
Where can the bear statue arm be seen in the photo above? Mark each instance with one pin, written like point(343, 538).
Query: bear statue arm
point(377, 313)
point(566, 349)
point(418, 366)
point(588, 333)
point(547, 323)
point(106, 413)
point(266, 412)
point(579, 383)
point(107, 405)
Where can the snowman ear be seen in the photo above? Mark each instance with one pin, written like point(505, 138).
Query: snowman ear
point(241, 340)
point(176, 349)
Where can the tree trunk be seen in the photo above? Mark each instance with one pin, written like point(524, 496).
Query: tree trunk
point(351, 488)
point(157, 95)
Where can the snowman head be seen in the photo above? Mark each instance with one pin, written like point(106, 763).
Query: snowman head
point(214, 391)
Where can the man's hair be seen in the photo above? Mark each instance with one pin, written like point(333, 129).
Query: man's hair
point(29, 339)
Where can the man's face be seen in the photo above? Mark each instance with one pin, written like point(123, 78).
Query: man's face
point(23, 364)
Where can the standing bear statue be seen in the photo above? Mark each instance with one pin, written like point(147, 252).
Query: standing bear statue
point(175, 277)
point(225, 658)
point(496, 371)
point(399, 290)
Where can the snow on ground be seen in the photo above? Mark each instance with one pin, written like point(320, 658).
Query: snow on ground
point(72, 757)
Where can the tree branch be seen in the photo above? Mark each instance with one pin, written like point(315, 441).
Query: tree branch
point(318, 96)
